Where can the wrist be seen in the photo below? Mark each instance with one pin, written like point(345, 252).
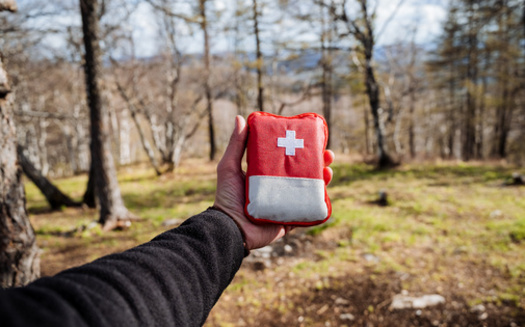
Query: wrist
point(237, 223)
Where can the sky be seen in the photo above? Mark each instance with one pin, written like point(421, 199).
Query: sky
point(426, 15)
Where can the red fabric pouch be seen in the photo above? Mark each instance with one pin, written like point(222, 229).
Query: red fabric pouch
point(284, 179)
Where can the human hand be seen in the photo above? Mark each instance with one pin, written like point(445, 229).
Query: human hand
point(230, 195)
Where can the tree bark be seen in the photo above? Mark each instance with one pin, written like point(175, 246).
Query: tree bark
point(54, 196)
point(207, 87)
point(112, 209)
point(19, 254)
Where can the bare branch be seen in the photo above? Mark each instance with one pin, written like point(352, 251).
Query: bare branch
point(389, 19)
point(43, 114)
point(168, 12)
point(199, 119)
point(304, 96)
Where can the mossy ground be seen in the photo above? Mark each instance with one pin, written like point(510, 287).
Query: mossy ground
point(449, 228)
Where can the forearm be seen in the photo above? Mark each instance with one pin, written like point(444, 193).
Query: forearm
point(175, 279)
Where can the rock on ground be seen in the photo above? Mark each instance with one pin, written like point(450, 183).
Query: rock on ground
point(402, 301)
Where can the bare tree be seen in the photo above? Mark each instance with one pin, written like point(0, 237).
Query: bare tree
point(259, 57)
point(327, 67)
point(161, 91)
point(19, 254)
point(206, 82)
point(362, 29)
point(112, 209)
point(241, 73)
point(404, 83)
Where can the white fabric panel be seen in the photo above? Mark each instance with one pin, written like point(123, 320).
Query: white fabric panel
point(287, 199)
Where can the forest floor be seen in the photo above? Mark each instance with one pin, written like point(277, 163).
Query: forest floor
point(451, 229)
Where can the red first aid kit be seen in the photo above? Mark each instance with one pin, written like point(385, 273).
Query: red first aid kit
point(284, 179)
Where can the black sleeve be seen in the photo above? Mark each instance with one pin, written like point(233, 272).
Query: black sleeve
point(173, 280)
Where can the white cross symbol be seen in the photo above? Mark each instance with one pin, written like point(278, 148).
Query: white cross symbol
point(290, 143)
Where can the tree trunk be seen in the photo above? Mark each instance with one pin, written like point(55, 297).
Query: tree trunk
point(112, 209)
point(367, 127)
point(469, 136)
point(207, 87)
point(411, 132)
point(89, 196)
point(19, 255)
point(451, 114)
point(327, 97)
point(326, 82)
point(372, 90)
point(259, 63)
point(54, 196)
point(504, 108)
point(366, 38)
point(481, 111)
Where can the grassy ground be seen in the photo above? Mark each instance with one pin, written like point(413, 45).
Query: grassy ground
point(450, 229)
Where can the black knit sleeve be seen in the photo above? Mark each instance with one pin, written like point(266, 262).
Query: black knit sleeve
point(173, 280)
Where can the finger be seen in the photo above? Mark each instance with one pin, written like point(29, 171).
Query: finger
point(327, 175)
point(329, 157)
point(235, 150)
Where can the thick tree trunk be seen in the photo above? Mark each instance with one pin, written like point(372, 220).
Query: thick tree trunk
point(54, 196)
point(259, 58)
point(19, 255)
point(207, 87)
point(112, 209)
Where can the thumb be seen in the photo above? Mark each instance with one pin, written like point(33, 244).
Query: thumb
point(237, 144)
